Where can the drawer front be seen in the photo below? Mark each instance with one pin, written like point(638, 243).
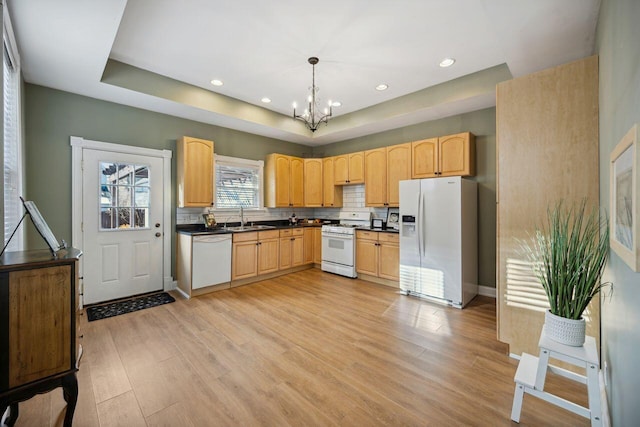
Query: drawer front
point(245, 237)
point(389, 237)
point(286, 233)
point(298, 231)
point(367, 235)
point(271, 234)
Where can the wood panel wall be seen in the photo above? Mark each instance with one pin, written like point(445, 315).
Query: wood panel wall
point(547, 150)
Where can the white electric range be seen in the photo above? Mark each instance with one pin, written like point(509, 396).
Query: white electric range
point(338, 243)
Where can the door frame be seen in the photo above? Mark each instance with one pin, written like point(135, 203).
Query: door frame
point(78, 144)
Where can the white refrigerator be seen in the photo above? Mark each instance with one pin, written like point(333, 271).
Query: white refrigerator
point(439, 239)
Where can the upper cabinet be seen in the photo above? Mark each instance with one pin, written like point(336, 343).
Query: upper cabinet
point(349, 168)
point(375, 168)
point(398, 169)
point(313, 183)
point(331, 193)
point(452, 155)
point(284, 181)
point(384, 168)
point(195, 172)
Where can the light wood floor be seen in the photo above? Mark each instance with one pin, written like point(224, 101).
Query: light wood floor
point(305, 349)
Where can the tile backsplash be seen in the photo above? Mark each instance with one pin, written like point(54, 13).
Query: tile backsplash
point(352, 200)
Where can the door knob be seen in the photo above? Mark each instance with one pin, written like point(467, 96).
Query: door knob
point(158, 234)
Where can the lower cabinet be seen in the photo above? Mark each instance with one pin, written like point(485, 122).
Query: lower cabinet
point(244, 257)
point(317, 245)
point(254, 253)
point(268, 244)
point(378, 254)
point(309, 234)
point(291, 248)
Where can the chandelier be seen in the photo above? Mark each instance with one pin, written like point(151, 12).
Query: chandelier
point(312, 116)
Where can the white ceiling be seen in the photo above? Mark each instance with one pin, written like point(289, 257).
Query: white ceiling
point(260, 48)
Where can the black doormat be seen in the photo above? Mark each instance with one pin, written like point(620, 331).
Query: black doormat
point(127, 306)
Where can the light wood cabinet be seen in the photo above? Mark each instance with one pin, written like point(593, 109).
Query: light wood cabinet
point(313, 183)
point(194, 167)
point(547, 135)
point(38, 327)
point(451, 155)
point(291, 248)
point(317, 245)
point(389, 256)
point(332, 193)
point(367, 252)
point(378, 254)
point(375, 169)
point(254, 253)
point(398, 169)
point(268, 245)
point(244, 256)
point(384, 168)
point(284, 181)
point(308, 245)
point(349, 168)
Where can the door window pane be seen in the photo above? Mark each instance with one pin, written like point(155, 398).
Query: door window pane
point(124, 196)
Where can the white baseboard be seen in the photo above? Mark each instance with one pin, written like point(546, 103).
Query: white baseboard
point(487, 291)
point(169, 284)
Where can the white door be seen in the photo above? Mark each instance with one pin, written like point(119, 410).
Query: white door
point(121, 221)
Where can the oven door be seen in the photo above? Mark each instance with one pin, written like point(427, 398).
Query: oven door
point(338, 248)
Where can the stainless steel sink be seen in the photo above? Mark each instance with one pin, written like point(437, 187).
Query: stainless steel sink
point(251, 227)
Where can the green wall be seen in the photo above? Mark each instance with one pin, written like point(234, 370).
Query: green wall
point(482, 124)
point(53, 116)
point(617, 45)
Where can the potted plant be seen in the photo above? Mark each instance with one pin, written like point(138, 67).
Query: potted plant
point(569, 253)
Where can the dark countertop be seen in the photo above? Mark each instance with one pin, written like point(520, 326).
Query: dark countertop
point(379, 230)
point(199, 229)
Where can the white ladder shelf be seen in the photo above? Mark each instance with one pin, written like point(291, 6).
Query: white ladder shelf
point(531, 373)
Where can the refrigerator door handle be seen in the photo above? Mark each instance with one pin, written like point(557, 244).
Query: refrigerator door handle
point(419, 224)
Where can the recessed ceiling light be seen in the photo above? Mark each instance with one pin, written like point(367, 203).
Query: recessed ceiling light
point(266, 100)
point(216, 82)
point(447, 62)
point(336, 104)
point(382, 86)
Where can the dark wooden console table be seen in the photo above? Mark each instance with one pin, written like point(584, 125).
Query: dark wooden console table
point(38, 328)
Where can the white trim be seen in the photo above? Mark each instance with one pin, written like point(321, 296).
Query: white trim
point(119, 148)
point(77, 145)
point(487, 291)
point(14, 54)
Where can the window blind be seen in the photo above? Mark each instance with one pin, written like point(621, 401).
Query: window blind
point(238, 183)
point(12, 171)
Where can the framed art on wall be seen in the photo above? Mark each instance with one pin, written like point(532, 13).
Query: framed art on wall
point(624, 204)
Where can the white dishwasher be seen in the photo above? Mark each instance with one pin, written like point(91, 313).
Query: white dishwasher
point(211, 260)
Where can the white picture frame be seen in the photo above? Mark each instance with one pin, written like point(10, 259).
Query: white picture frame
point(625, 199)
point(393, 218)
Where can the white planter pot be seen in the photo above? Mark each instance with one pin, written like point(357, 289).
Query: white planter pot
point(565, 331)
